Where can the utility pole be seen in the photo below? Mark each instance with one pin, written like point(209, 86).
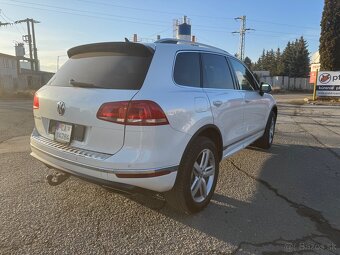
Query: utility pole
point(4, 24)
point(242, 33)
point(36, 61)
point(58, 58)
point(30, 39)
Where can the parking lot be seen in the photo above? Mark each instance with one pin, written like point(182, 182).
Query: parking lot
point(285, 200)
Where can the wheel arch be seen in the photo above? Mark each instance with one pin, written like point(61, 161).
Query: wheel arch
point(212, 132)
point(274, 109)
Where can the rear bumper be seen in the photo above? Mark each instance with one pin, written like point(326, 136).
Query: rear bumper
point(120, 187)
point(91, 165)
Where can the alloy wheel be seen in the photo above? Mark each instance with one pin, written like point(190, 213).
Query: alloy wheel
point(203, 174)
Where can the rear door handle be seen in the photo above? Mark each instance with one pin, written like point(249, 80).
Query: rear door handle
point(247, 101)
point(218, 103)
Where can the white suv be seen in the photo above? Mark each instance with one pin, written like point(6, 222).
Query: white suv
point(157, 116)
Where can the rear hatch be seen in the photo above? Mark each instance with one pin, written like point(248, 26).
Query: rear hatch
point(94, 74)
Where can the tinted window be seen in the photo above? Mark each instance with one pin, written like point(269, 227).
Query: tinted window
point(244, 77)
point(105, 70)
point(187, 69)
point(216, 72)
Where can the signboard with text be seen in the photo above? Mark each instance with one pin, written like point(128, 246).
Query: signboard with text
point(312, 77)
point(328, 84)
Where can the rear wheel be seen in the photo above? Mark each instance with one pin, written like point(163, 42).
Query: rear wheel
point(196, 178)
point(265, 142)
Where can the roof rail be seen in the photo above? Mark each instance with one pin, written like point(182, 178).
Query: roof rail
point(179, 41)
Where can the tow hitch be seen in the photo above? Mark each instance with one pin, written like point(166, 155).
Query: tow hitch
point(56, 178)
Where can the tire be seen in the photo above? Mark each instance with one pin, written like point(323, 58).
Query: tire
point(265, 142)
point(194, 187)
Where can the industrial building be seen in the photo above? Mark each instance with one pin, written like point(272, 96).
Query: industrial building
point(14, 77)
point(19, 72)
point(8, 70)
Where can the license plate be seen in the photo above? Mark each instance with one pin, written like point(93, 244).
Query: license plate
point(63, 132)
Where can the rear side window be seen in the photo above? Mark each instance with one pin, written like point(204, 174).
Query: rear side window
point(216, 72)
point(187, 69)
point(104, 70)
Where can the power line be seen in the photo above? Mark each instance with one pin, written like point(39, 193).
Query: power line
point(153, 10)
point(84, 15)
point(7, 22)
point(2, 13)
point(127, 7)
point(86, 12)
point(21, 26)
point(99, 15)
point(138, 9)
point(4, 23)
point(280, 24)
point(193, 15)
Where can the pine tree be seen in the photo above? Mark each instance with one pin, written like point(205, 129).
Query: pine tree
point(271, 62)
point(248, 63)
point(279, 63)
point(330, 36)
point(258, 66)
point(287, 58)
point(301, 58)
point(265, 61)
point(293, 62)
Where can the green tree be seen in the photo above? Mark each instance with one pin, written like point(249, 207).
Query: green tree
point(301, 58)
point(288, 59)
point(330, 36)
point(293, 62)
point(279, 63)
point(248, 63)
point(271, 62)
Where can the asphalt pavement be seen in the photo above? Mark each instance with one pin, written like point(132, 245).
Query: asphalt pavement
point(282, 201)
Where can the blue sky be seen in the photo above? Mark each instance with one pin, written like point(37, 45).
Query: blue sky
point(65, 24)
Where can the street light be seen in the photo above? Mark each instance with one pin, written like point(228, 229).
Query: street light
point(58, 60)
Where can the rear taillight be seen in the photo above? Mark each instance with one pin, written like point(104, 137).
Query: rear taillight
point(113, 112)
point(145, 113)
point(36, 101)
point(136, 113)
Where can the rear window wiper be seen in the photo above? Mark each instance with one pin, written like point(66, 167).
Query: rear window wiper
point(82, 84)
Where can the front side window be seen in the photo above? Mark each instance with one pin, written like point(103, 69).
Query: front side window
point(244, 77)
point(187, 69)
point(216, 72)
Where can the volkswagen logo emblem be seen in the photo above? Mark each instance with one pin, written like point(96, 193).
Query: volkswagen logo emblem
point(61, 107)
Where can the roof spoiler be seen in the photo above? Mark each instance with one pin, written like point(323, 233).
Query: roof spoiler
point(128, 48)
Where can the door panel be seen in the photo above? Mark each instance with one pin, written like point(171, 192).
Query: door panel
point(255, 109)
point(227, 110)
point(226, 102)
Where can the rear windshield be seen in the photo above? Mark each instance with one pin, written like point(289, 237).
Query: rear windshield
point(105, 70)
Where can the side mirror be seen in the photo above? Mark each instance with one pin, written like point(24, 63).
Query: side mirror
point(265, 88)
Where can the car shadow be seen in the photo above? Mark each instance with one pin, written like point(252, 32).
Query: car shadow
point(289, 200)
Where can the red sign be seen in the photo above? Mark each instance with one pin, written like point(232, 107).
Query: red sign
point(312, 78)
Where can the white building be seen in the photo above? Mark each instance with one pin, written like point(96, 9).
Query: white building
point(8, 71)
point(15, 77)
